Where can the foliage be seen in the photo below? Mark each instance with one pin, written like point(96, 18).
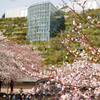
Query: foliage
point(3, 16)
point(72, 32)
point(14, 28)
point(89, 26)
point(27, 42)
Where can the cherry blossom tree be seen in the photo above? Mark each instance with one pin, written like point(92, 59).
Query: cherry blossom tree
point(77, 80)
point(12, 56)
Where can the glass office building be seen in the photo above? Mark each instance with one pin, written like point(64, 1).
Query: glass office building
point(43, 21)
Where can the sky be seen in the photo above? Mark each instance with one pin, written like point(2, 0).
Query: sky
point(8, 4)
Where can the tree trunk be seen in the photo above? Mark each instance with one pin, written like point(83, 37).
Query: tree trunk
point(8, 88)
point(0, 85)
point(11, 85)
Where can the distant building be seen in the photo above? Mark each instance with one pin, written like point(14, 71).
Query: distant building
point(43, 20)
point(75, 4)
point(16, 12)
point(26, 83)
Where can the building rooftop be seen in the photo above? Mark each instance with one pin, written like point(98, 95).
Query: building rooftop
point(40, 3)
point(27, 79)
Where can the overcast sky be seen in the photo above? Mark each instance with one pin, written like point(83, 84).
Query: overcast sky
point(7, 4)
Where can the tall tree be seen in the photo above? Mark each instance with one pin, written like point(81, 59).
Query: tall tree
point(12, 56)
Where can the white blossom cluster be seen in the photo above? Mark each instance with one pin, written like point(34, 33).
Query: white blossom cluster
point(73, 78)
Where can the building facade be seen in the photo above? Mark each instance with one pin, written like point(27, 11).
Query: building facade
point(16, 12)
point(43, 21)
point(75, 4)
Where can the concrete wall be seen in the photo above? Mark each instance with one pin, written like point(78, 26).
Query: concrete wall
point(16, 12)
point(27, 87)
